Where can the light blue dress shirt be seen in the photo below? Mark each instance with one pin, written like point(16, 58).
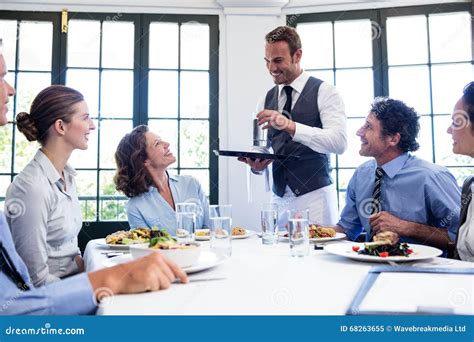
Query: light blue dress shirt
point(150, 209)
point(71, 296)
point(412, 190)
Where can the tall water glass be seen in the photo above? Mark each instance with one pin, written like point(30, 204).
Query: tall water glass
point(269, 219)
point(298, 222)
point(185, 222)
point(220, 218)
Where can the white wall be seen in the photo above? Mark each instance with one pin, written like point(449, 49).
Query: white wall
point(242, 75)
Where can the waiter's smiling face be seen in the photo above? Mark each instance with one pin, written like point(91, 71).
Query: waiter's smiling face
point(283, 67)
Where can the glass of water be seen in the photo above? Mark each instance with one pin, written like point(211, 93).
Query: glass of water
point(298, 223)
point(269, 219)
point(220, 218)
point(186, 222)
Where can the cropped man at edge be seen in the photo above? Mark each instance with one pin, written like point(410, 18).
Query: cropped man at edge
point(304, 116)
point(397, 191)
point(77, 294)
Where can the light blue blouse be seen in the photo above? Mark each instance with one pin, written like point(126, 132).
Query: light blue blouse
point(150, 209)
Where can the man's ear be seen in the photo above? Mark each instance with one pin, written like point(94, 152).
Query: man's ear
point(297, 56)
point(394, 139)
point(59, 127)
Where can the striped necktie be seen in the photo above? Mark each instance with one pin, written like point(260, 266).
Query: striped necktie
point(376, 200)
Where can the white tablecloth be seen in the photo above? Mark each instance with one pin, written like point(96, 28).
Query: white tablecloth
point(259, 280)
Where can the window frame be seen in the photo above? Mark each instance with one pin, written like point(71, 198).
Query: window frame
point(380, 55)
point(140, 82)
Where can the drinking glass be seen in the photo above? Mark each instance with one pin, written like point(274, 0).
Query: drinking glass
point(298, 222)
point(269, 219)
point(185, 222)
point(220, 218)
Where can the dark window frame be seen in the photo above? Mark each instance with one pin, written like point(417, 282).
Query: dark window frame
point(140, 96)
point(379, 51)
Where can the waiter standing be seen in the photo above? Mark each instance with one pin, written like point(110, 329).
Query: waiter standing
point(304, 116)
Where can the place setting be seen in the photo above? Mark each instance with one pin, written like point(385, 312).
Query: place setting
point(184, 249)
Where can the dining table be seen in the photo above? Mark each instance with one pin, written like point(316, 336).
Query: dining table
point(259, 279)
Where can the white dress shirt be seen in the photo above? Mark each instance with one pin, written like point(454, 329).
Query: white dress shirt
point(44, 216)
point(465, 244)
point(331, 138)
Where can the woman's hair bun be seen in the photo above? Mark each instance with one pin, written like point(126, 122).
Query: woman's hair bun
point(27, 126)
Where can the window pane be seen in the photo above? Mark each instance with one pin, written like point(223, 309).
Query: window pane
point(450, 37)
point(317, 42)
point(351, 157)
point(86, 158)
point(407, 51)
point(194, 97)
point(444, 144)
point(89, 210)
point(5, 182)
point(86, 182)
point(36, 41)
point(29, 85)
point(8, 35)
point(10, 78)
point(201, 175)
point(194, 143)
point(163, 94)
point(111, 132)
point(117, 94)
point(107, 186)
point(354, 42)
point(448, 83)
point(167, 130)
point(113, 210)
point(87, 82)
point(461, 173)
point(83, 43)
point(425, 139)
point(412, 86)
point(117, 44)
point(6, 148)
point(345, 176)
point(357, 90)
point(24, 150)
point(194, 46)
point(163, 45)
point(324, 75)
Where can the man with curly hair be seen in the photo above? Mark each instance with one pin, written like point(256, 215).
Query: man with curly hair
point(397, 191)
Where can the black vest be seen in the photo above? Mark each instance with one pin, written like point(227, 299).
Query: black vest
point(311, 171)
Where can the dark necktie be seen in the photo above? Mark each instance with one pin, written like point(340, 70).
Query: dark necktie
point(287, 108)
point(376, 200)
point(7, 267)
point(466, 197)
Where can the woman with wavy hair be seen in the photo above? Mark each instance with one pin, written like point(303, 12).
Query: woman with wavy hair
point(462, 133)
point(42, 205)
point(142, 159)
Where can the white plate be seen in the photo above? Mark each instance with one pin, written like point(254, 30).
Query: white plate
point(248, 233)
point(338, 236)
point(420, 252)
point(206, 260)
point(101, 244)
